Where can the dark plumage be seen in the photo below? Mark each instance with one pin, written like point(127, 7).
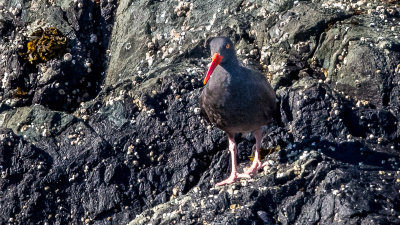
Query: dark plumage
point(236, 99)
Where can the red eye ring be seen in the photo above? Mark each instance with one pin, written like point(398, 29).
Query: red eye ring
point(227, 46)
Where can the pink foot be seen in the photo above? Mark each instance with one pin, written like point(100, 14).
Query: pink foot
point(255, 166)
point(264, 165)
point(232, 178)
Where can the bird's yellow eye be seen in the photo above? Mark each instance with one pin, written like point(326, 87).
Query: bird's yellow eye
point(227, 46)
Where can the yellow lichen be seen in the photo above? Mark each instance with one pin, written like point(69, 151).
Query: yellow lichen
point(266, 151)
point(325, 71)
point(19, 92)
point(44, 45)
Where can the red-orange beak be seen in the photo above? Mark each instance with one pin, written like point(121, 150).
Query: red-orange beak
point(216, 59)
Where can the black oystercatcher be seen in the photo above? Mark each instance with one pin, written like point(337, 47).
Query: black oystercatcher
point(236, 99)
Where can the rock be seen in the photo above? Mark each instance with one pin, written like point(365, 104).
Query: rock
point(33, 121)
point(109, 131)
point(369, 81)
point(78, 78)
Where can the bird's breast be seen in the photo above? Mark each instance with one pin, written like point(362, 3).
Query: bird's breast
point(236, 102)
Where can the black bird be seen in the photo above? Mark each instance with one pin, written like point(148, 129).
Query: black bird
point(236, 99)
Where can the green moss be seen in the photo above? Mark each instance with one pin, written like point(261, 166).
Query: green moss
point(45, 45)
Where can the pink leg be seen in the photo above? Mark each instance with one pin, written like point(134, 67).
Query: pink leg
point(234, 174)
point(256, 165)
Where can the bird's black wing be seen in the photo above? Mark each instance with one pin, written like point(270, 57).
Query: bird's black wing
point(266, 94)
point(203, 109)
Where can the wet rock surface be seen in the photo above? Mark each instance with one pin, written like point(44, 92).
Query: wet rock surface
point(110, 132)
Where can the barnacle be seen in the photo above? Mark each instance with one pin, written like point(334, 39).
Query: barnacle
point(44, 45)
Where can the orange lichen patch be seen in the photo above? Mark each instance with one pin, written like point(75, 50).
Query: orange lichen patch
point(44, 45)
point(19, 92)
point(234, 207)
point(329, 26)
point(325, 71)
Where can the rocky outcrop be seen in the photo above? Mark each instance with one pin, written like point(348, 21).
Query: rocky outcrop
point(109, 132)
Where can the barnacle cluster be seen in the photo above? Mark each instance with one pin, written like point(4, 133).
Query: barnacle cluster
point(44, 45)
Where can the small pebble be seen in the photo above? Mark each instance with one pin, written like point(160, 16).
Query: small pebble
point(197, 111)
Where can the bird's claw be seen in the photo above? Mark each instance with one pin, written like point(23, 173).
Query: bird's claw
point(254, 168)
point(264, 164)
point(232, 178)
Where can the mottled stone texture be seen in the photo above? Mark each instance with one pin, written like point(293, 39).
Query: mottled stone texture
point(109, 133)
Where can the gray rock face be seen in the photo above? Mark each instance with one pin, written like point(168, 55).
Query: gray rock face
point(109, 132)
point(71, 79)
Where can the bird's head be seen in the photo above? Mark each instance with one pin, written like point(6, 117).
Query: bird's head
point(223, 52)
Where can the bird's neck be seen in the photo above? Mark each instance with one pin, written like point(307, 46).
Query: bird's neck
point(231, 65)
